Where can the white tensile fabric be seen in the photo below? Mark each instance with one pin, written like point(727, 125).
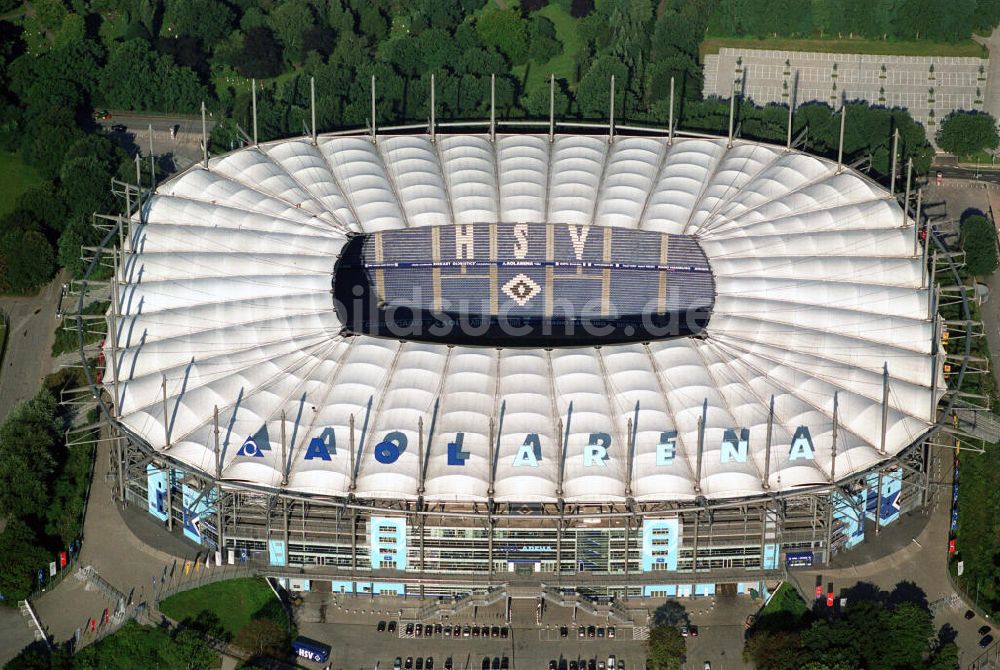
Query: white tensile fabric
point(225, 302)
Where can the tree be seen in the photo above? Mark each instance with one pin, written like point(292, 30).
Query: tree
point(665, 649)
point(28, 439)
point(290, 20)
point(506, 31)
point(262, 637)
point(670, 613)
point(544, 44)
point(536, 100)
point(979, 241)
point(594, 90)
point(774, 650)
point(260, 56)
point(21, 557)
point(964, 133)
point(581, 8)
point(207, 20)
point(27, 261)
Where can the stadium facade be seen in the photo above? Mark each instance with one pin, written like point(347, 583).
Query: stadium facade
point(626, 364)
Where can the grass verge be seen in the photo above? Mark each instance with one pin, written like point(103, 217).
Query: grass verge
point(786, 599)
point(968, 48)
point(235, 602)
point(15, 179)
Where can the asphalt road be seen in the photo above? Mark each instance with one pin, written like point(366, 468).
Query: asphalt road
point(29, 344)
point(184, 147)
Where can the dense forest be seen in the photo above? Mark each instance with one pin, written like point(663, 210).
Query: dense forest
point(60, 60)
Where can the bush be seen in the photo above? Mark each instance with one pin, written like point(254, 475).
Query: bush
point(965, 133)
point(979, 241)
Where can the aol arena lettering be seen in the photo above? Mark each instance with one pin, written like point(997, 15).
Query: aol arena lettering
point(733, 448)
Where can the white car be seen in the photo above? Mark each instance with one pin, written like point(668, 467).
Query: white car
point(611, 662)
point(708, 665)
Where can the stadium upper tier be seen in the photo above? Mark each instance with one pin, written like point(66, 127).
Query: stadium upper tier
point(226, 300)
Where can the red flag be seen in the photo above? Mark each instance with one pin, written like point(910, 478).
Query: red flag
point(93, 625)
point(106, 617)
point(62, 559)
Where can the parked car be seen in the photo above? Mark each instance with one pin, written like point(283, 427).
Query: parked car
point(563, 631)
point(392, 626)
point(611, 631)
point(986, 641)
point(591, 631)
point(600, 632)
point(504, 663)
point(581, 631)
point(420, 630)
point(408, 665)
point(573, 665)
point(495, 631)
point(611, 662)
point(552, 665)
point(694, 631)
point(466, 631)
point(448, 663)
point(398, 663)
point(420, 663)
point(708, 665)
point(438, 628)
point(486, 663)
point(503, 632)
point(409, 629)
point(621, 664)
point(969, 614)
point(475, 631)
point(429, 663)
point(685, 631)
point(380, 627)
point(983, 630)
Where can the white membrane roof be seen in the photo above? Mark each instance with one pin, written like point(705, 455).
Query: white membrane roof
point(225, 302)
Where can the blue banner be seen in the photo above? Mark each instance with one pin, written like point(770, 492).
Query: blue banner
point(660, 544)
point(197, 513)
point(276, 552)
point(156, 491)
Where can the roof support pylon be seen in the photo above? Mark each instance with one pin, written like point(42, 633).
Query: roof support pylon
point(562, 458)
point(253, 108)
point(833, 446)
point(493, 108)
point(611, 112)
point(284, 452)
point(917, 225)
point(204, 137)
point(552, 108)
point(895, 158)
point(701, 445)
point(670, 120)
point(840, 142)
point(732, 114)
point(630, 457)
point(433, 128)
point(906, 193)
point(791, 110)
point(352, 484)
point(152, 162)
point(374, 131)
point(490, 490)
point(312, 105)
point(420, 457)
point(885, 407)
point(767, 448)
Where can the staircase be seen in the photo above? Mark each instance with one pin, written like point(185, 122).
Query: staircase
point(452, 607)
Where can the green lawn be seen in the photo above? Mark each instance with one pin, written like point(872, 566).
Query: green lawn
point(786, 599)
point(234, 601)
point(711, 45)
point(15, 179)
point(562, 66)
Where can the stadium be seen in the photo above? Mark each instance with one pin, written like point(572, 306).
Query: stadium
point(622, 361)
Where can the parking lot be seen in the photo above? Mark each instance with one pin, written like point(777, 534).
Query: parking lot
point(353, 626)
point(361, 641)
